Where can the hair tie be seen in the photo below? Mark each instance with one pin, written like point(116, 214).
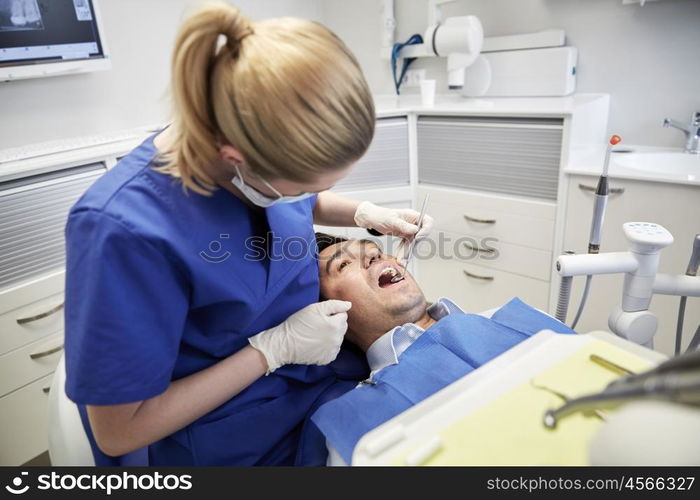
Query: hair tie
point(234, 44)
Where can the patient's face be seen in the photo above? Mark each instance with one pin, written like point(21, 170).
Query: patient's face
point(359, 272)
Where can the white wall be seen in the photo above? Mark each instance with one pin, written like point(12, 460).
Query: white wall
point(133, 93)
point(645, 57)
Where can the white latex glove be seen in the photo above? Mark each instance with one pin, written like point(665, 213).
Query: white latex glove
point(310, 336)
point(401, 222)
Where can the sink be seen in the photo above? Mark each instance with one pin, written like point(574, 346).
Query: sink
point(670, 163)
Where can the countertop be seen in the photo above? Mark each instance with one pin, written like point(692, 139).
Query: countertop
point(590, 162)
point(451, 104)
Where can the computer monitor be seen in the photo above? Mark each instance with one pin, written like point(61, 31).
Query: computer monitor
point(50, 37)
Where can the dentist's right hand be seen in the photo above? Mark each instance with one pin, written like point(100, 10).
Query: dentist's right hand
point(311, 336)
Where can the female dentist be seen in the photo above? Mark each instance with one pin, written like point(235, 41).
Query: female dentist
point(178, 337)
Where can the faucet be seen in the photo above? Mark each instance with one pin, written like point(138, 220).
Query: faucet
point(691, 131)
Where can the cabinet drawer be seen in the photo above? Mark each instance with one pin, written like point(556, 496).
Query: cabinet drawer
point(30, 322)
point(477, 288)
point(30, 362)
point(519, 229)
point(491, 202)
point(485, 252)
point(24, 424)
point(528, 223)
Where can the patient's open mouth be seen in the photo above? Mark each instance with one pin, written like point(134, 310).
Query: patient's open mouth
point(386, 278)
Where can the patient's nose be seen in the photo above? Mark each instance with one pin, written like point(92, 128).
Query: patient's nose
point(372, 255)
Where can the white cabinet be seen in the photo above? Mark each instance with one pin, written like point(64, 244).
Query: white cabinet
point(33, 210)
point(674, 206)
point(486, 248)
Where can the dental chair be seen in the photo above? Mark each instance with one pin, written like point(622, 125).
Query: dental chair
point(68, 442)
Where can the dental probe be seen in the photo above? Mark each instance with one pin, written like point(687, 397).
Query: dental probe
point(412, 244)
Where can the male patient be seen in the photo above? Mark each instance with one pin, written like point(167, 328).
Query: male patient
point(413, 348)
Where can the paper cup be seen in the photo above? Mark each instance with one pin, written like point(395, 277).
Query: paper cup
point(427, 93)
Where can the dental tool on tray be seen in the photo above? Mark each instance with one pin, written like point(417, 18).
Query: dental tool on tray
point(676, 380)
point(412, 244)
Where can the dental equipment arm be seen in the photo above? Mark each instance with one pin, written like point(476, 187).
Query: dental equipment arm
point(460, 39)
point(631, 319)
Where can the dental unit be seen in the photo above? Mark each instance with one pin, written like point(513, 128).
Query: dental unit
point(459, 39)
point(631, 319)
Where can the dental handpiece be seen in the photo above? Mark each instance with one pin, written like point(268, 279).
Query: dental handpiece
point(601, 199)
point(694, 262)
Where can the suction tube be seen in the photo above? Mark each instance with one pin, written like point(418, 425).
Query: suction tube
point(564, 294)
point(692, 270)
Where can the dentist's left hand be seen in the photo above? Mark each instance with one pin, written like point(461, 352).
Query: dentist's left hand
point(401, 222)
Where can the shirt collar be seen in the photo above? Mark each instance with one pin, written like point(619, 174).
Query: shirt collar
point(385, 351)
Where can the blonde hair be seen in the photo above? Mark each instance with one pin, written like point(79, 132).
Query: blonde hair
point(287, 93)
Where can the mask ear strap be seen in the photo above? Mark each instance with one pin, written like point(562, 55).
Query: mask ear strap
point(272, 188)
point(238, 171)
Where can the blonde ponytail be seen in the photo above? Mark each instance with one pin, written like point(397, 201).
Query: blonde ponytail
point(285, 92)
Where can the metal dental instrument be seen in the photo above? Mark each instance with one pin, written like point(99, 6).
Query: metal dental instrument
point(613, 367)
point(565, 398)
point(412, 244)
point(676, 380)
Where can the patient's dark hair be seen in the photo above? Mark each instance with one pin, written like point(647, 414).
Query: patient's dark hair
point(324, 240)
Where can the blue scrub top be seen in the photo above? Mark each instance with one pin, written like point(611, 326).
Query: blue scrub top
point(162, 283)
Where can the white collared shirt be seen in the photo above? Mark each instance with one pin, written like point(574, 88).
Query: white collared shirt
point(386, 350)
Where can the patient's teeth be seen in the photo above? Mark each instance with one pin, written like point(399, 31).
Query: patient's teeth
point(390, 270)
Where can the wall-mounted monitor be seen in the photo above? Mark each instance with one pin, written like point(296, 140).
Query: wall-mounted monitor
point(50, 37)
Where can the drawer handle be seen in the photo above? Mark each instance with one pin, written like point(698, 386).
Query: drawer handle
point(480, 221)
point(592, 189)
point(478, 249)
point(29, 319)
point(478, 277)
point(48, 352)
point(46, 389)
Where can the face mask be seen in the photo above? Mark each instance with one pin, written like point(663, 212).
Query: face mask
point(260, 199)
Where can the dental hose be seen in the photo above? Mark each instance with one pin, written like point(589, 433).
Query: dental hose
point(600, 202)
point(564, 294)
point(692, 270)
